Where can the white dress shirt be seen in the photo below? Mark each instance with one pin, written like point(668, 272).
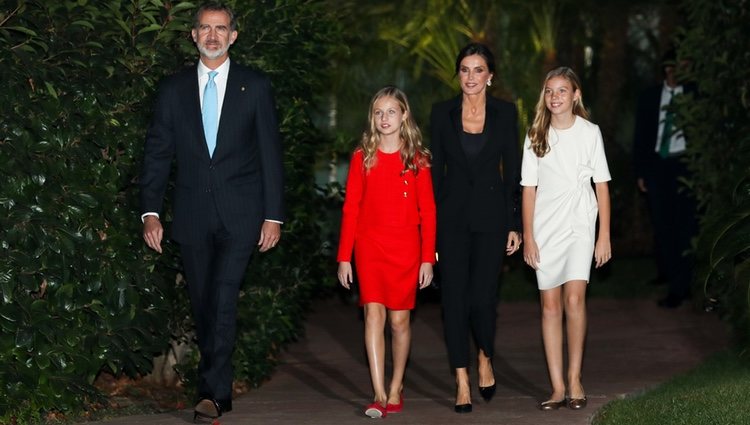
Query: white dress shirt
point(220, 79)
point(677, 143)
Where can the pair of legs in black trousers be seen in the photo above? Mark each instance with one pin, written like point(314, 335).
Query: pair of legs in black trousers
point(469, 265)
point(214, 270)
point(673, 214)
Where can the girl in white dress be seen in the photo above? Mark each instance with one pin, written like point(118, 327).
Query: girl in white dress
point(563, 153)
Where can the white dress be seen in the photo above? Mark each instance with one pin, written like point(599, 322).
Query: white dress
point(566, 209)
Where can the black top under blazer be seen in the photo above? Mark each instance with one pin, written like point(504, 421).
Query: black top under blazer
point(243, 179)
point(480, 195)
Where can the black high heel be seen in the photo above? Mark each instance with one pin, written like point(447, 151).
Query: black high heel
point(488, 392)
point(462, 408)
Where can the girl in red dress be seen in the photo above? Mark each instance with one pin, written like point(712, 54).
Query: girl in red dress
point(389, 223)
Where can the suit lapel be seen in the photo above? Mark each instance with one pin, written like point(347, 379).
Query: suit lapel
point(231, 97)
point(193, 115)
point(490, 113)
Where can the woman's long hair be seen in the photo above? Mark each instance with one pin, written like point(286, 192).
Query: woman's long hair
point(413, 154)
point(538, 133)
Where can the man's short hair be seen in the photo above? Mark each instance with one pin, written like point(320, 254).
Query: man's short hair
point(213, 6)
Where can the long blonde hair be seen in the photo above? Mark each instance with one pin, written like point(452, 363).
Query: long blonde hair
point(539, 130)
point(413, 154)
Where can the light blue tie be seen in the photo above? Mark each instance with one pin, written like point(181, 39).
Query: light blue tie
point(210, 112)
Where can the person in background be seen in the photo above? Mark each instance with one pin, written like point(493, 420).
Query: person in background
point(658, 147)
point(388, 223)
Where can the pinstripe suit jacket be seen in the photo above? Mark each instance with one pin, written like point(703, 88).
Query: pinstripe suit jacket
point(243, 179)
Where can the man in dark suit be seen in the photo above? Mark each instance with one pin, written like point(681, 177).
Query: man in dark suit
point(658, 150)
point(218, 119)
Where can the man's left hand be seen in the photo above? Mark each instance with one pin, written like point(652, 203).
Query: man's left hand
point(270, 233)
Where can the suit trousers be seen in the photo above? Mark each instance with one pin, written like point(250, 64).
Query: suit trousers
point(673, 214)
point(215, 269)
point(469, 265)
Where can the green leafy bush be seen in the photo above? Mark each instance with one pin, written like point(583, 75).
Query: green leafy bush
point(79, 292)
point(717, 123)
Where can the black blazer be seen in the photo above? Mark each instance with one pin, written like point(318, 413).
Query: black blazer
point(243, 179)
point(480, 195)
point(645, 159)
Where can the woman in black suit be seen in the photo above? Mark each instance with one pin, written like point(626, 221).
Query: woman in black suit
point(476, 175)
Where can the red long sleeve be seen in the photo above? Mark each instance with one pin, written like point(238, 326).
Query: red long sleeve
point(426, 205)
point(385, 197)
point(350, 217)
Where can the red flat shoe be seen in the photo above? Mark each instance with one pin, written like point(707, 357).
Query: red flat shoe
point(395, 408)
point(376, 410)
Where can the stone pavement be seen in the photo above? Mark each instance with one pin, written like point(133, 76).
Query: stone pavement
point(323, 378)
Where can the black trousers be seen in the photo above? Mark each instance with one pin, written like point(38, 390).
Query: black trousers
point(214, 270)
point(673, 214)
point(469, 265)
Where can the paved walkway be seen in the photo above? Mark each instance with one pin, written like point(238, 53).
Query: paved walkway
point(323, 378)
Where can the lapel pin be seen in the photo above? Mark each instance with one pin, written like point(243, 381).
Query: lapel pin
point(243, 88)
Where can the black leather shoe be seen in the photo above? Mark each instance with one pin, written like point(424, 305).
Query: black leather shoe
point(463, 408)
point(225, 405)
point(488, 392)
point(206, 409)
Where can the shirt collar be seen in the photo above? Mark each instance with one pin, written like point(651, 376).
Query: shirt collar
point(223, 69)
point(673, 90)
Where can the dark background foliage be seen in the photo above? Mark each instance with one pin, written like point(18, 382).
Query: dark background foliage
point(79, 291)
point(717, 123)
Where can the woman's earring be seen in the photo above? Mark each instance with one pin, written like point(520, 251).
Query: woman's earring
point(489, 83)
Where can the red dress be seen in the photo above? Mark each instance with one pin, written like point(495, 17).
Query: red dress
point(389, 222)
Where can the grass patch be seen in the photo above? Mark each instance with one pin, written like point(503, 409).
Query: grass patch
point(714, 393)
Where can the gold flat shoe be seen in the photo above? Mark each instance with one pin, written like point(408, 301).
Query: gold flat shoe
point(551, 404)
point(577, 403)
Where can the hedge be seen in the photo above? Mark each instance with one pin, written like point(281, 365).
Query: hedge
point(717, 124)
